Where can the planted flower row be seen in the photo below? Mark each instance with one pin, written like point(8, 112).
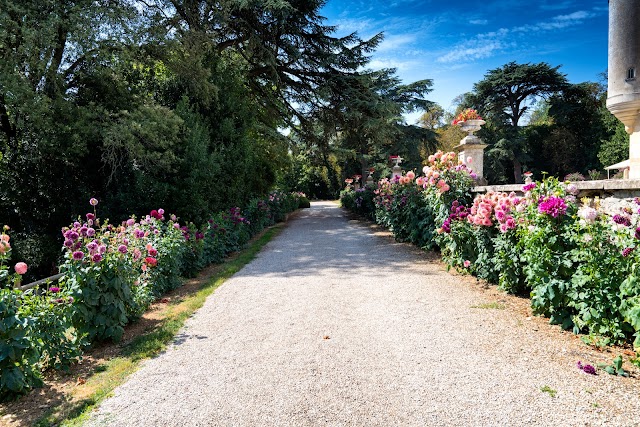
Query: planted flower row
point(578, 263)
point(112, 273)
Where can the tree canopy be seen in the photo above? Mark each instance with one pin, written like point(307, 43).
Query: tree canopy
point(180, 104)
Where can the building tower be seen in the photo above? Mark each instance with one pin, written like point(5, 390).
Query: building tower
point(623, 98)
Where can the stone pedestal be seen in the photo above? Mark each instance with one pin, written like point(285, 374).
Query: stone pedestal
point(472, 146)
point(476, 152)
point(370, 180)
point(396, 171)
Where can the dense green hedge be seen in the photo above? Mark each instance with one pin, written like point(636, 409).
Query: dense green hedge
point(578, 263)
point(112, 273)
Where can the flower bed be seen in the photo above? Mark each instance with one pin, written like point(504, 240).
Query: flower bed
point(112, 273)
point(578, 264)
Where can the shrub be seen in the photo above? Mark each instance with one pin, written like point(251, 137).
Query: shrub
point(19, 352)
point(112, 273)
point(360, 201)
point(578, 263)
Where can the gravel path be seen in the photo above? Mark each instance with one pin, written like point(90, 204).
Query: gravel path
point(335, 325)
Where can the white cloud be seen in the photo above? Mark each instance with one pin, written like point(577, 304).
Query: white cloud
point(394, 42)
point(557, 22)
point(488, 44)
point(462, 53)
point(579, 15)
point(348, 26)
point(378, 63)
point(478, 22)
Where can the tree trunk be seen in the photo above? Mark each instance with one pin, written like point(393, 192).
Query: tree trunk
point(517, 171)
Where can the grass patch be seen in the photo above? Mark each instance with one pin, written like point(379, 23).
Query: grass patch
point(81, 400)
point(551, 392)
point(494, 305)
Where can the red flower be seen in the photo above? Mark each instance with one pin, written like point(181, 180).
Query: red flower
point(150, 261)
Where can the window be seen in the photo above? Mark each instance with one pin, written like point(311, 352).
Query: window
point(631, 74)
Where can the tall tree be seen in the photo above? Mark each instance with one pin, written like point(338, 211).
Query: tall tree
point(505, 95)
point(433, 118)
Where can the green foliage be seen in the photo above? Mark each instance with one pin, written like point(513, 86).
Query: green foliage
point(508, 261)
point(616, 148)
point(615, 368)
point(360, 201)
point(595, 291)
point(19, 350)
point(630, 305)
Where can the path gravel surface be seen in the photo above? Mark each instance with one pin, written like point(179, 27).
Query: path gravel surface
point(334, 324)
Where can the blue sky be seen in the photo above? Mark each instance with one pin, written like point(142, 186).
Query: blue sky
point(455, 43)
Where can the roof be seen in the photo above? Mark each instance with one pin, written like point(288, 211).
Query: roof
point(622, 165)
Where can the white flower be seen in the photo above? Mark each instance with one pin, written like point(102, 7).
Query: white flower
point(588, 214)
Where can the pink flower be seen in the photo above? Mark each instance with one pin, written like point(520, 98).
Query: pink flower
point(21, 268)
point(96, 258)
point(411, 175)
point(161, 211)
point(93, 201)
point(153, 251)
point(466, 263)
point(122, 249)
point(553, 206)
point(78, 255)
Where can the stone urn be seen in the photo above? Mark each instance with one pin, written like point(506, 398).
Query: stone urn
point(471, 148)
point(471, 126)
point(370, 177)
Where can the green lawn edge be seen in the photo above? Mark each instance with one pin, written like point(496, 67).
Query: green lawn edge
point(117, 370)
